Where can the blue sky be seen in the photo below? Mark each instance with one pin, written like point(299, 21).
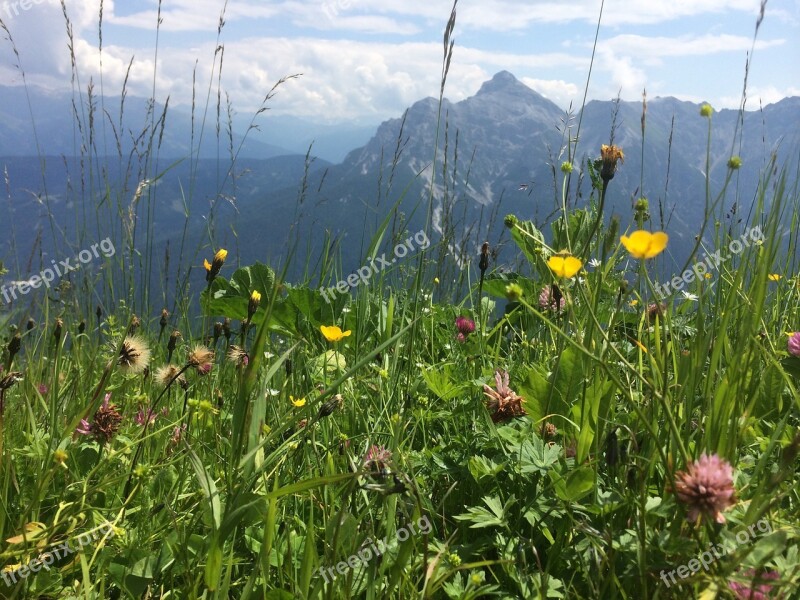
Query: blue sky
point(366, 60)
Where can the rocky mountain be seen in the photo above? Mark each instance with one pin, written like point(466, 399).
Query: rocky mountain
point(494, 153)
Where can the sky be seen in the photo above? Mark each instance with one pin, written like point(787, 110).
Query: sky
point(365, 61)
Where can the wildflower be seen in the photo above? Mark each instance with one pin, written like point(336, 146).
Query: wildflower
point(213, 268)
point(465, 326)
point(707, 276)
point(706, 487)
point(566, 167)
point(594, 263)
point(177, 434)
point(655, 309)
point(689, 296)
point(162, 323)
point(483, 264)
point(775, 277)
point(706, 110)
point(167, 374)
point(148, 417)
point(297, 402)
point(643, 244)
point(14, 346)
point(513, 292)
point(201, 358)
point(60, 456)
point(633, 303)
point(794, 344)
point(503, 403)
point(551, 297)
point(377, 460)
point(564, 266)
point(42, 389)
point(59, 326)
point(549, 431)
point(134, 355)
point(252, 305)
point(84, 427)
point(734, 163)
point(758, 590)
point(238, 356)
point(105, 424)
point(610, 155)
point(333, 333)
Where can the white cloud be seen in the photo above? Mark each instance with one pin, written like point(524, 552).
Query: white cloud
point(555, 90)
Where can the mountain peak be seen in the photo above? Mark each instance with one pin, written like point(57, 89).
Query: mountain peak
point(502, 82)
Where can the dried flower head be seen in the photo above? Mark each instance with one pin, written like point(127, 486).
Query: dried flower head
point(134, 355)
point(107, 421)
point(238, 356)
point(201, 358)
point(503, 403)
point(706, 488)
point(377, 460)
point(168, 373)
point(655, 309)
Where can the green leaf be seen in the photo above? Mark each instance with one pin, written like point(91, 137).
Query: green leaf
point(441, 383)
point(575, 486)
point(231, 299)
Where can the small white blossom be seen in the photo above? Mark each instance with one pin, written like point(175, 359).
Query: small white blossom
point(689, 296)
point(594, 263)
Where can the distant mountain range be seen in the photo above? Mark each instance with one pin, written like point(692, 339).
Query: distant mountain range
point(498, 152)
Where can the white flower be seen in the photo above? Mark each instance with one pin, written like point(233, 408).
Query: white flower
point(689, 296)
point(268, 355)
point(346, 309)
point(272, 392)
point(594, 263)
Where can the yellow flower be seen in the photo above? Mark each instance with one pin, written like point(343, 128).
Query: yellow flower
point(213, 268)
point(775, 277)
point(707, 275)
point(633, 302)
point(333, 333)
point(297, 402)
point(564, 266)
point(643, 244)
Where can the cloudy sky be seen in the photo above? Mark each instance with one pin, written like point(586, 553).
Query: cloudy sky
point(366, 60)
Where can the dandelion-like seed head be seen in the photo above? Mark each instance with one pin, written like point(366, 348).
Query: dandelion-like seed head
point(134, 355)
point(201, 358)
point(238, 356)
point(166, 374)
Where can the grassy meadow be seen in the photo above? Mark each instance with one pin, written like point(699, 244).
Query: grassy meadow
point(596, 424)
